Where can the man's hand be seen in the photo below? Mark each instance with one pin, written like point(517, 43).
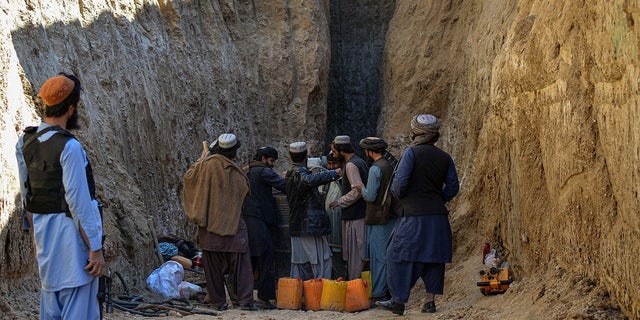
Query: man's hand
point(333, 204)
point(96, 263)
point(359, 187)
point(339, 172)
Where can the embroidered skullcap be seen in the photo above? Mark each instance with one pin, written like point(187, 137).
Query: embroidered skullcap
point(227, 141)
point(268, 152)
point(298, 147)
point(374, 144)
point(342, 140)
point(56, 89)
point(425, 124)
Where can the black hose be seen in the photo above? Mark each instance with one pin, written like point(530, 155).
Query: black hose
point(124, 285)
point(142, 313)
point(129, 303)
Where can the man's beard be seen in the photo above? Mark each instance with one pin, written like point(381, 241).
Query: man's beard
point(340, 157)
point(368, 160)
point(72, 122)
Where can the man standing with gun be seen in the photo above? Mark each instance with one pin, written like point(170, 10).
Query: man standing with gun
point(58, 192)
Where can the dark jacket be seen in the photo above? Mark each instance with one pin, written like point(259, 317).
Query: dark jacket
point(358, 209)
point(306, 205)
point(260, 202)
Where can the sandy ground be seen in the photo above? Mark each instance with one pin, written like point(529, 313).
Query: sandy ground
point(556, 294)
point(549, 296)
point(546, 296)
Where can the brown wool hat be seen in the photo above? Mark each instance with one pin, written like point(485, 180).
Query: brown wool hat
point(55, 90)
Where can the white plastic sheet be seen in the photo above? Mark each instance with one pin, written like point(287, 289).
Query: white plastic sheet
point(165, 280)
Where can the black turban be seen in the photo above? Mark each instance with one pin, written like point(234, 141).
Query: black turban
point(374, 144)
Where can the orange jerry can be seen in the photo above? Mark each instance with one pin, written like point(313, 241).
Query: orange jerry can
point(356, 298)
point(495, 280)
point(334, 293)
point(366, 276)
point(289, 293)
point(312, 294)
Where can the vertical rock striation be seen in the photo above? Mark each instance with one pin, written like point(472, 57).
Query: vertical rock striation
point(159, 77)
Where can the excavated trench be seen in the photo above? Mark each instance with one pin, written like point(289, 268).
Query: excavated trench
point(539, 101)
point(358, 32)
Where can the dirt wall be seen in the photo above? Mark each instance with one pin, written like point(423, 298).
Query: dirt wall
point(159, 77)
point(539, 101)
point(541, 113)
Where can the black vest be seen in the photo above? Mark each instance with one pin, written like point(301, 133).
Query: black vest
point(45, 189)
point(424, 191)
point(358, 209)
point(377, 212)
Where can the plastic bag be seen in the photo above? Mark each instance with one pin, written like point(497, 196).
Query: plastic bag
point(165, 279)
point(492, 259)
point(188, 289)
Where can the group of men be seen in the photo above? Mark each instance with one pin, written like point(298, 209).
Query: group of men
point(389, 213)
point(392, 215)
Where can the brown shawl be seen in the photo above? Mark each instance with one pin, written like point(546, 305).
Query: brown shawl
point(214, 191)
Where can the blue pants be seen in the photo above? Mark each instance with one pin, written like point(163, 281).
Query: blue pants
point(378, 237)
point(402, 276)
point(71, 303)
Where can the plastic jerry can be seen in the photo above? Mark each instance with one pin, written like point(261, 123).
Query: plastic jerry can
point(356, 297)
point(366, 276)
point(289, 293)
point(334, 293)
point(312, 294)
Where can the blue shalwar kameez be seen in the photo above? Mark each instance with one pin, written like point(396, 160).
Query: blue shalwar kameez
point(410, 258)
point(68, 291)
point(421, 244)
point(377, 238)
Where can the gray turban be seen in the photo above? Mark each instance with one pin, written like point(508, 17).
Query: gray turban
point(424, 126)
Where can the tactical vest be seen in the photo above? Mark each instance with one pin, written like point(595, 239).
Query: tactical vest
point(45, 189)
point(358, 209)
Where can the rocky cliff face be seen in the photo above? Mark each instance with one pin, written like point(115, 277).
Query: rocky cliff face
point(539, 102)
point(541, 113)
point(159, 77)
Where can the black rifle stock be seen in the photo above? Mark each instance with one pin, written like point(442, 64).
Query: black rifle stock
point(104, 282)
